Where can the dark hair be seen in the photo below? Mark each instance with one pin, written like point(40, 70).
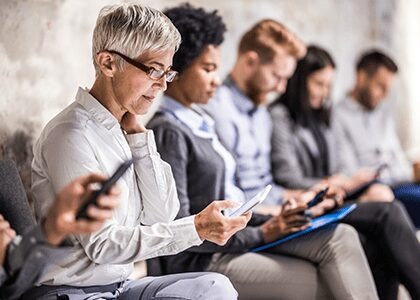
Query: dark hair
point(198, 29)
point(370, 62)
point(296, 98)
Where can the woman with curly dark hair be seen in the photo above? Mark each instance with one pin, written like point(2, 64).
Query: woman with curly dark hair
point(204, 171)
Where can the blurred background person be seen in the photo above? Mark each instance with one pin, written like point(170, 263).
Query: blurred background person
point(365, 131)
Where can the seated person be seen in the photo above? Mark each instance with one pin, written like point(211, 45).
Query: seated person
point(304, 154)
point(364, 128)
point(132, 51)
point(24, 258)
point(327, 261)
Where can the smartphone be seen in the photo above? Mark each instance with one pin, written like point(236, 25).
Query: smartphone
point(105, 187)
point(318, 197)
point(253, 202)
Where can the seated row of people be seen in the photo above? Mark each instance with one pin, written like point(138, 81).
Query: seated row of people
point(204, 170)
point(304, 152)
point(194, 156)
point(344, 144)
point(231, 149)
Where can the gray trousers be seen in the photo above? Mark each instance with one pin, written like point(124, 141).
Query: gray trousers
point(326, 264)
point(186, 286)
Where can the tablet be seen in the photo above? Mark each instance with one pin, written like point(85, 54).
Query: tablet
point(253, 202)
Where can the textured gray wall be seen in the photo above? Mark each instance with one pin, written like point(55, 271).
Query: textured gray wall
point(45, 44)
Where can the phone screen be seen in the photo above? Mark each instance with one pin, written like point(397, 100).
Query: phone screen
point(253, 202)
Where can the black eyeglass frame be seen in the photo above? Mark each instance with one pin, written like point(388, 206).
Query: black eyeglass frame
point(150, 71)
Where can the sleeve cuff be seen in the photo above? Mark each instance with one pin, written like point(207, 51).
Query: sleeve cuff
point(259, 236)
point(142, 144)
point(186, 230)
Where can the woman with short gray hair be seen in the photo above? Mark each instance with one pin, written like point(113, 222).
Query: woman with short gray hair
point(133, 48)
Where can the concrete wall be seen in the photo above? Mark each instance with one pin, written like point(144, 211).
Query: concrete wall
point(45, 45)
point(406, 46)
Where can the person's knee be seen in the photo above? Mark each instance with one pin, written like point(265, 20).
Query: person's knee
point(397, 208)
point(217, 286)
point(397, 214)
point(345, 238)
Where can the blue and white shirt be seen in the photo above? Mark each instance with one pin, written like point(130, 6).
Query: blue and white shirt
point(245, 130)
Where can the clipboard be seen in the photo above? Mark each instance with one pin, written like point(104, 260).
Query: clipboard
point(322, 221)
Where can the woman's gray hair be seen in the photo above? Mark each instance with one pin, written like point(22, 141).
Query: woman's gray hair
point(132, 29)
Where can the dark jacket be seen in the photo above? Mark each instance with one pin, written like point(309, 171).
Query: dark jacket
point(199, 175)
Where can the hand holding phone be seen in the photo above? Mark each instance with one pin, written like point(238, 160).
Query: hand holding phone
point(318, 197)
point(105, 187)
point(253, 202)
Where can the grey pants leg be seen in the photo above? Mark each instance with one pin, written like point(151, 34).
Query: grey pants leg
point(188, 286)
point(266, 276)
point(304, 268)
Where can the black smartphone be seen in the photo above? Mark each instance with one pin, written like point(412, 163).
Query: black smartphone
point(318, 197)
point(105, 187)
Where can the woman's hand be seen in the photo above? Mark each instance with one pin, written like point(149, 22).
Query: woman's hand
point(131, 123)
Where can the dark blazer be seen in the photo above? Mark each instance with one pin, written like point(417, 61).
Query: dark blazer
point(295, 157)
point(199, 175)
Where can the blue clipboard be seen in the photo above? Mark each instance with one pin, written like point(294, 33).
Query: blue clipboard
point(316, 223)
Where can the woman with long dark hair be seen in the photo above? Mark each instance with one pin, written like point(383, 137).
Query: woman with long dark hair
point(304, 154)
point(307, 115)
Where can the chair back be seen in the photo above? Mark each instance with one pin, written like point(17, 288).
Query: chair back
point(14, 204)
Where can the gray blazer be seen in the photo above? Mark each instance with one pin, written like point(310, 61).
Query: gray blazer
point(295, 156)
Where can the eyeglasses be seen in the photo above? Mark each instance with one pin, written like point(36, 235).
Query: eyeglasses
point(150, 71)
